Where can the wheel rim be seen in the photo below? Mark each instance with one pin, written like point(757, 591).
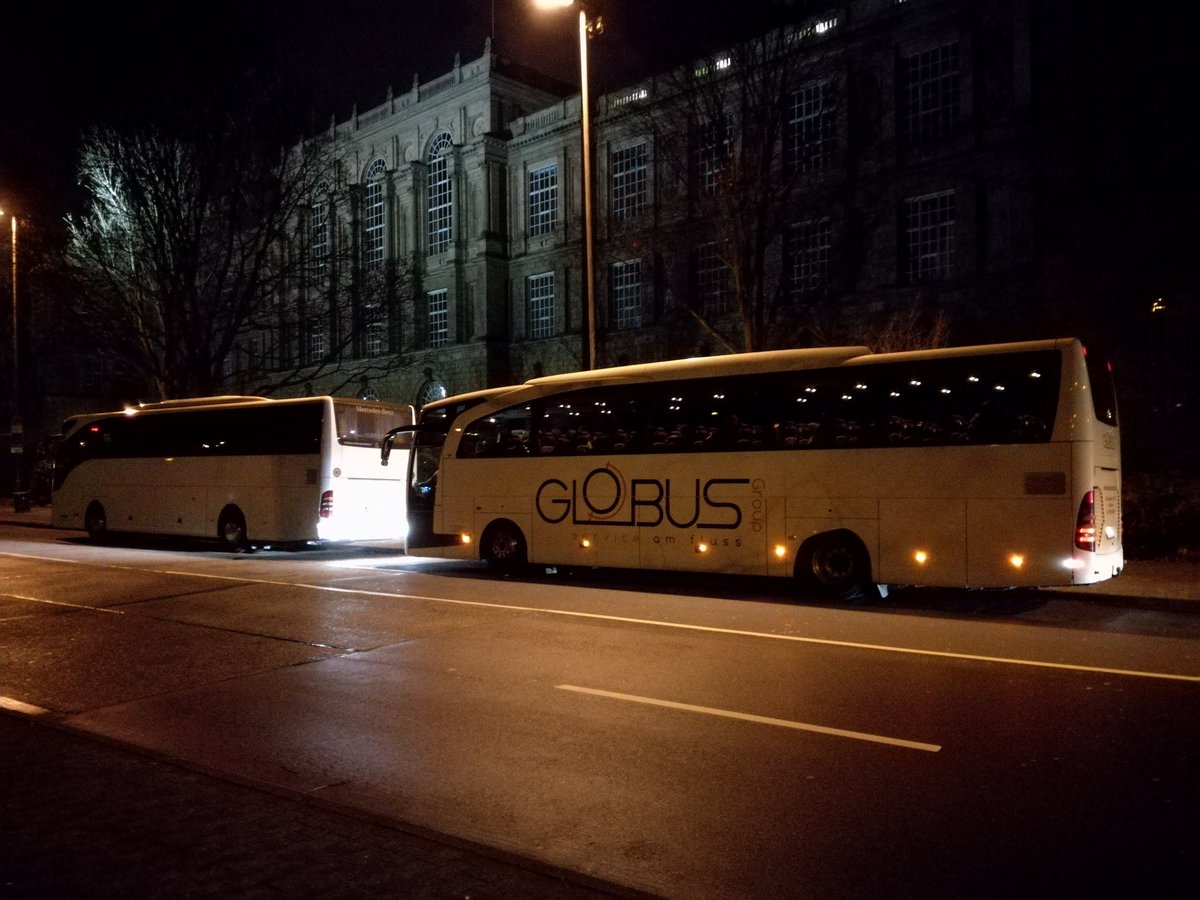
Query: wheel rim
point(504, 545)
point(232, 529)
point(835, 565)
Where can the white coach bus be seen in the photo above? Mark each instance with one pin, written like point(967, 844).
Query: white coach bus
point(242, 469)
point(984, 466)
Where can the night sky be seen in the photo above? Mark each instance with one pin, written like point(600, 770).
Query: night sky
point(62, 69)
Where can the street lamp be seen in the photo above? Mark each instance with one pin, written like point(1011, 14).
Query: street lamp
point(587, 27)
point(16, 432)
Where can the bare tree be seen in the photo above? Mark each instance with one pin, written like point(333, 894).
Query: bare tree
point(191, 254)
point(721, 129)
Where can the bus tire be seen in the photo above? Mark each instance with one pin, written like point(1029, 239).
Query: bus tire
point(96, 522)
point(504, 546)
point(836, 565)
point(231, 528)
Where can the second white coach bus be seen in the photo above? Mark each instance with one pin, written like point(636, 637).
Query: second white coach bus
point(983, 466)
point(246, 470)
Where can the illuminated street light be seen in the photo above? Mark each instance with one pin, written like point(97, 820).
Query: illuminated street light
point(17, 429)
point(587, 27)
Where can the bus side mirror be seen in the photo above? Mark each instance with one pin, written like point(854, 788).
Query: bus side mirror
point(385, 446)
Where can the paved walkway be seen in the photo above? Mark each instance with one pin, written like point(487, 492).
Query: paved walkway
point(82, 818)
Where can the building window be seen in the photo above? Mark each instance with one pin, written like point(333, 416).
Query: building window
point(543, 199)
point(374, 340)
point(808, 246)
point(930, 86)
point(629, 182)
point(318, 339)
point(441, 218)
point(372, 217)
point(712, 151)
point(714, 281)
point(625, 279)
point(811, 137)
point(539, 296)
point(929, 237)
point(438, 332)
point(319, 233)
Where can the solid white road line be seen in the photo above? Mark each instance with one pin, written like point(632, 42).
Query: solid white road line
point(26, 709)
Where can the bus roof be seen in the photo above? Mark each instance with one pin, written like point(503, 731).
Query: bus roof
point(704, 366)
point(962, 351)
point(218, 402)
point(197, 401)
point(745, 363)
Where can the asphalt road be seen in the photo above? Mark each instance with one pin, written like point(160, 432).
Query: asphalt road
point(678, 736)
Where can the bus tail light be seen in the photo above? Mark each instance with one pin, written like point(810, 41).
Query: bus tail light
point(1085, 523)
point(326, 504)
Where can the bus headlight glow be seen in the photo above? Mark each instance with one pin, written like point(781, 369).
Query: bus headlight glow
point(921, 557)
point(1073, 563)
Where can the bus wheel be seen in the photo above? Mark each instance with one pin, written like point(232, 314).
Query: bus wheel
point(835, 564)
point(504, 546)
point(95, 522)
point(231, 528)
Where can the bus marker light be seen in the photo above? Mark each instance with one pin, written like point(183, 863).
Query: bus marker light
point(921, 557)
point(465, 538)
point(780, 551)
point(702, 548)
point(584, 543)
point(1016, 560)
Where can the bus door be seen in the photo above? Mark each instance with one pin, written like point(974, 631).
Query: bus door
point(423, 463)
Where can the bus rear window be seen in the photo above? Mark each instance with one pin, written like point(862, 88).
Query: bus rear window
point(1104, 396)
point(365, 425)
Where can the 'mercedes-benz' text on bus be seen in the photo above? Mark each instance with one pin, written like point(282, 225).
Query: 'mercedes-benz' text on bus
point(244, 469)
point(985, 466)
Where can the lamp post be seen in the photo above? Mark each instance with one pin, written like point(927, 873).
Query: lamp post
point(587, 27)
point(17, 429)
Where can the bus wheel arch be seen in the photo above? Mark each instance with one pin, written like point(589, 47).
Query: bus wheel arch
point(503, 545)
point(836, 564)
point(95, 521)
point(231, 527)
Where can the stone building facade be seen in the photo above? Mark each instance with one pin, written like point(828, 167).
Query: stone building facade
point(909, 132)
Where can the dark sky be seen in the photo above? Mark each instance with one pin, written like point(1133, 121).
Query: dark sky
point(65, 67)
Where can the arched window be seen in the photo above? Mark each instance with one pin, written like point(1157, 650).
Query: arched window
point(440, 195)
point(372, 217)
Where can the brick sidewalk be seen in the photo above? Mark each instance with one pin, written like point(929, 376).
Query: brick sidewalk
point(83, 818)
